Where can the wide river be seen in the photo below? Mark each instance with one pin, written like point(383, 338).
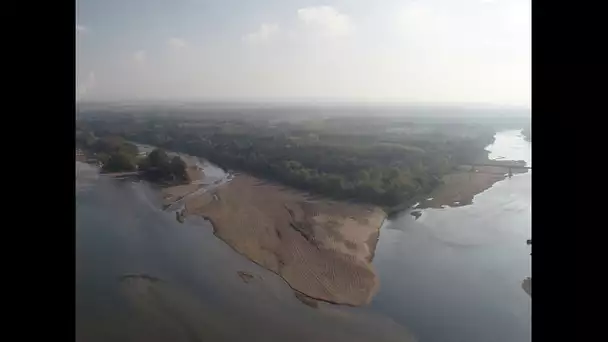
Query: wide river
point(453, 274)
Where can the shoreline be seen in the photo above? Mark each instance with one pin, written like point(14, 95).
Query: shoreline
point(321, 248)
point(296, 291)
point(460, 188)
point(270, 225)
point(234, 211)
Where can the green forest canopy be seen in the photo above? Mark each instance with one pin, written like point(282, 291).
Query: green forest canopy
point(118, 155)
point(349, 159)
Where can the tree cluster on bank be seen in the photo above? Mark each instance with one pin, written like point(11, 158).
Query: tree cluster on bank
point(159, 167)
point(365, 165)
point(118, 155)
point(113, 152)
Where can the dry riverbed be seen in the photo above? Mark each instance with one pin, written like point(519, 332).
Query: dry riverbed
point(321, 248)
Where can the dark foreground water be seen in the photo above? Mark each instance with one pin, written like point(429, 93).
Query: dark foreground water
point(199, 297)
point(452, 275)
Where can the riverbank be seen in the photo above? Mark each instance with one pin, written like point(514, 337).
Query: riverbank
point(174, 193)
point(321, 248)
point(460, 187)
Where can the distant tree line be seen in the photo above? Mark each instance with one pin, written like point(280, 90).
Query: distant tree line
point(366, 166)
point(113, 152)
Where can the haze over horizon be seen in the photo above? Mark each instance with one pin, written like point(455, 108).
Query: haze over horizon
point(433, 51)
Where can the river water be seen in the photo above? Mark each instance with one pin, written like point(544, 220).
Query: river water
point(455, 274)
point(452, 275)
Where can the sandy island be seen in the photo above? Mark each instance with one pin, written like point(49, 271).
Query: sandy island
point(321, 248)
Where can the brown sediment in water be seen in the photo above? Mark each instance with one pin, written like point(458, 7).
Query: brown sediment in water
point(527, 285)
point(245, 276)
point(165, 311)
point(194, 173)
point(175, 193)
point(306, 300)
point(460, 187)
point(321, 248)
point(180, 216)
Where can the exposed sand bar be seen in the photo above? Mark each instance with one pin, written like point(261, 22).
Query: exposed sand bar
point(459, 188)
point(321, 248)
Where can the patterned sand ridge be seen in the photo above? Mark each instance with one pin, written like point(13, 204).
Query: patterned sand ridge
point(321, 248)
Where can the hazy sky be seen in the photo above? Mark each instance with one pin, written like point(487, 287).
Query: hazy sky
point(352, 50)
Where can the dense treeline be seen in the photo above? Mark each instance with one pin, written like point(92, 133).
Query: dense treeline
point(117, 155)
point(359, 163)
point(113, 152)
point(158, 166)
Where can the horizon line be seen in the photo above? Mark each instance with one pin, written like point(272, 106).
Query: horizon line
point(304, 102)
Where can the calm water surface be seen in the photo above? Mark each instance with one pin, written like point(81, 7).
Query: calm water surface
point(121, 230)
point(452, 275)
point(455, 274)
